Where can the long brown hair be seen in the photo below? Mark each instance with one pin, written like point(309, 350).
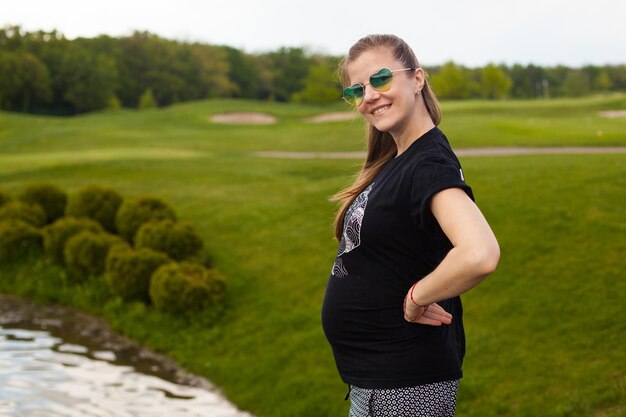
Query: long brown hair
point(381, 147)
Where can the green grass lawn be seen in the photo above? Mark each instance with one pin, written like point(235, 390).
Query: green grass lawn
point(546, 333)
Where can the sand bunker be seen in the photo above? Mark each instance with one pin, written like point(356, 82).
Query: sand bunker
point(613, 114)
point(338, 116)
point(244, 118)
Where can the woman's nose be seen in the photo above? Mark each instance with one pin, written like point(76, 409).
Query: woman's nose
point(370, 94)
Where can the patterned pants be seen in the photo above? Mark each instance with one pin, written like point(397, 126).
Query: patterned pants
point(429, 400)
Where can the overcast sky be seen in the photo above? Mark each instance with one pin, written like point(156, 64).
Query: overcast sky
point(470, 32)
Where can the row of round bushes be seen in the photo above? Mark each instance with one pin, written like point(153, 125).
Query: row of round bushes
point(138, 244)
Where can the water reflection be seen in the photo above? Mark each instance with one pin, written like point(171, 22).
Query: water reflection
point(40, 375)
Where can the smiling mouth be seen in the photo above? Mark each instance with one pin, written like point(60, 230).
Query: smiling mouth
point(380, 109)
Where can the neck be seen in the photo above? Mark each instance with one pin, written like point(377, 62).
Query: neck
point(418, 125)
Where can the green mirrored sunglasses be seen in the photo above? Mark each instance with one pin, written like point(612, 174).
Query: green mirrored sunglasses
point(380, 81)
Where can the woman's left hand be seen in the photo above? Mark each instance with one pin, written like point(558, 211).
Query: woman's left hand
point(431, 315)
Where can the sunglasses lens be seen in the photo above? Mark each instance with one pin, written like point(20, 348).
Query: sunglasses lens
point(381, 81)
point(353, 94)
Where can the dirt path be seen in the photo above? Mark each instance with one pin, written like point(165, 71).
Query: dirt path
point(613, 114)
point(244, 118)
point(338, 116)
point(468, 152)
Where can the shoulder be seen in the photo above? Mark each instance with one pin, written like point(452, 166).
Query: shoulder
point(433, 149)
point(435, 167)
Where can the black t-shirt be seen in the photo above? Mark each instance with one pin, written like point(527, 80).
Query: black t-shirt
point(390, 240)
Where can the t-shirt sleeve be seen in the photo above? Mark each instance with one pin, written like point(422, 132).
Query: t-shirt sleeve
point(434, 174)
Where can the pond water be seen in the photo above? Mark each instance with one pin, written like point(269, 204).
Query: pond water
point(55, 362)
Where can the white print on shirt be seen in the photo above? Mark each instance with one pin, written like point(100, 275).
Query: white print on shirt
point(351, 238)
point(338, 269)
point(462, 177)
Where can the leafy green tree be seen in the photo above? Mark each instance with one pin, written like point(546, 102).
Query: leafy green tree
point(166, 87)
point(133, 63)
point(89, 79)
point(527, 81)
point(36, 86)
point(24, 81)
point(208, 69)
point(555, 76)
point(494, 83)
point(10, 80)
point(451, 82)
point(144, 63)
point(11, 38)
point(320, 86)
point(165, 77)
point(243, 72)
point(51, 48)
point(114, 103)
point(576, 84)
point(173, 71)
point(147, 100)
point(290, 66)
point(617, 74)
point(602, 81)
point(266, 77)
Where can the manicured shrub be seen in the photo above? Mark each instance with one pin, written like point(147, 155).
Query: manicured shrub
point(178, 240)
point(57, 234)
point(18, 240)
point(185, 288)
point(4, 197)
point(133, 213)
point(128, 271)
point(51, 198)
point(17, 210)
point(85, 253)
point(96, 202)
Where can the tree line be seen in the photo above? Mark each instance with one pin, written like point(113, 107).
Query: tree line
point(44, 72)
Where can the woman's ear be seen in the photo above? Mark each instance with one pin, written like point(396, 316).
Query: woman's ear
point(420, 79)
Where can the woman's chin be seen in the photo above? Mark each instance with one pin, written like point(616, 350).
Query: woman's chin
point(382, 126)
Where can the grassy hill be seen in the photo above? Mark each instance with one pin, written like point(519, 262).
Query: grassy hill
point(546, 333)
